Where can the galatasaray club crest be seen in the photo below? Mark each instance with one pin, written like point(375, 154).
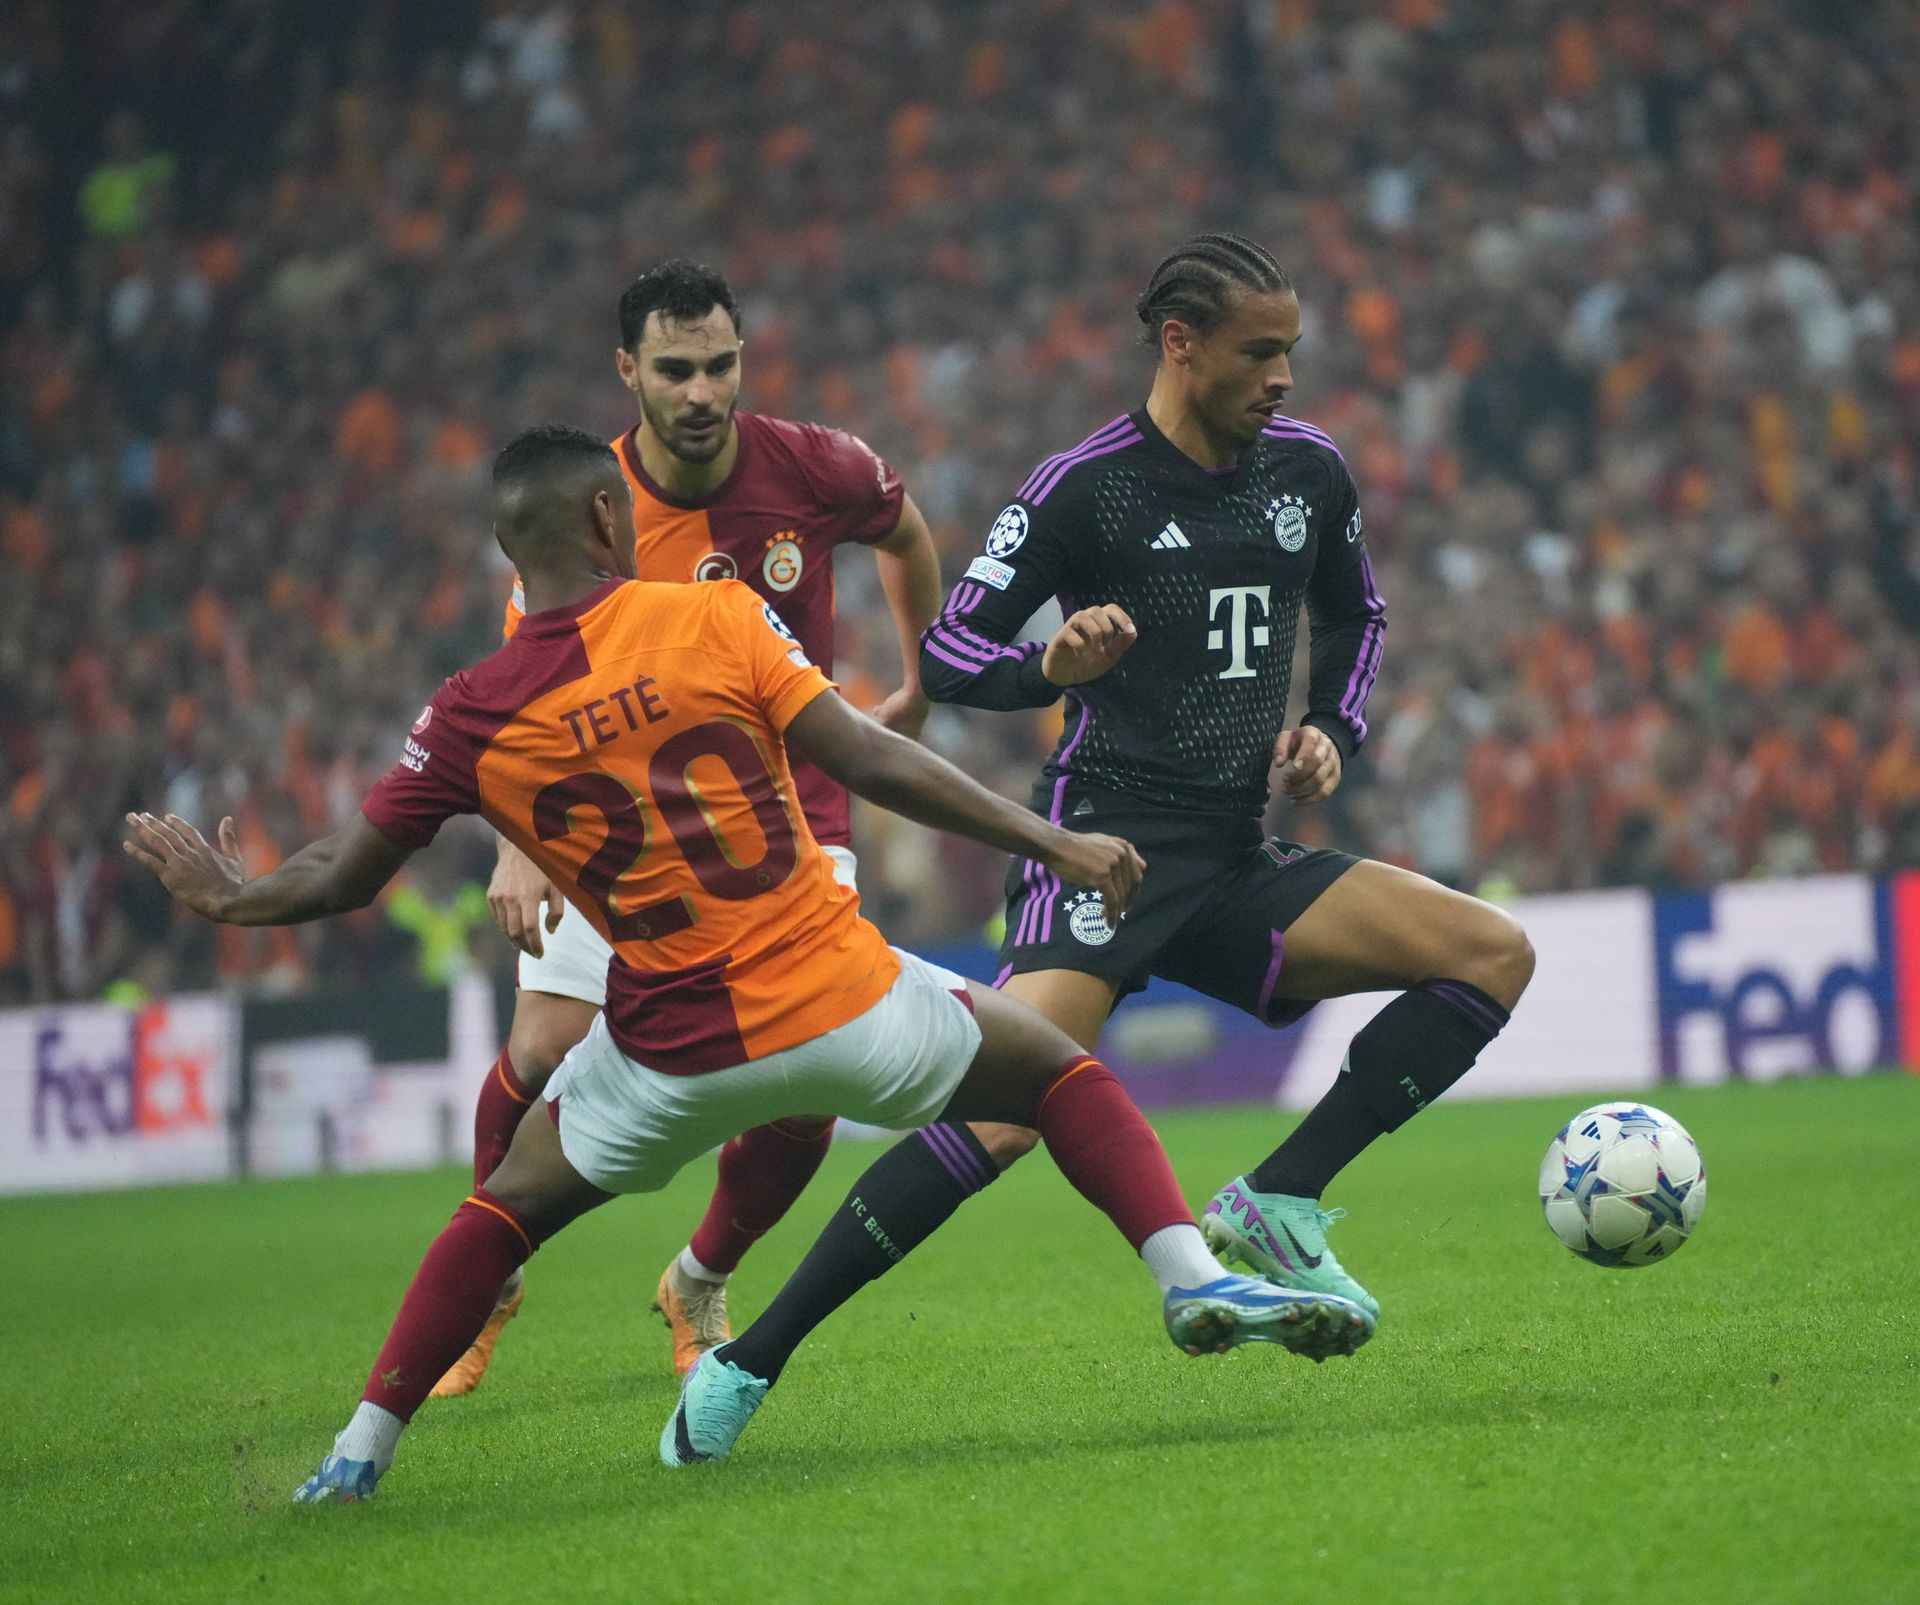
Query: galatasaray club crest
point(783, 562)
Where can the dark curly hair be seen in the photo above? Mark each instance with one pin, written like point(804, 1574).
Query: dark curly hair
point(681, 291)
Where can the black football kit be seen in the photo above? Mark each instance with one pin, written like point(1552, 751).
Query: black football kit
point(1172, 747)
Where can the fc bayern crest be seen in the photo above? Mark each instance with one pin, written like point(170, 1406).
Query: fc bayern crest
point(1087, 919)
point(782, 567)
point(716, 566)
point(1289, 515)
point(1008, 531)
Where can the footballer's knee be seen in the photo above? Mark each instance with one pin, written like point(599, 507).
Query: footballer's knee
point(537, 1182)
point(546, 1027)
point(541, 1206)
point(1006, 1144)
point(1492, 952)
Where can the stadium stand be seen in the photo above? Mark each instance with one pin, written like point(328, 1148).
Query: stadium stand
point(1614, 308)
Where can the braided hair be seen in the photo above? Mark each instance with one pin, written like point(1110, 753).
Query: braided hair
point(1201, 280)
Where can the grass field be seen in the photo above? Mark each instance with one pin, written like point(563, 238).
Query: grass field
point(1001, 1418)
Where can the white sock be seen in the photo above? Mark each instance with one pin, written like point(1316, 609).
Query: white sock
point(1178, 1257)
point(372, 1434)
point(689, 1266)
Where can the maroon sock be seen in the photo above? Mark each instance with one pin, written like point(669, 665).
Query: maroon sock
point(503, 1100)
point(762, 1172)
point(1104, 1146)
point(452, 1295)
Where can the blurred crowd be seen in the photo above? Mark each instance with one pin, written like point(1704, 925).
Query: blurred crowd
point(1614, 306)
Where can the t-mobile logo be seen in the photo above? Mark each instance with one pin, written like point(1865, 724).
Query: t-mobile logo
point(1240, 627)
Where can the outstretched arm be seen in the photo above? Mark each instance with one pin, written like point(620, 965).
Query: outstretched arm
point(905, 777)
point(340, 872)
point(910, 576)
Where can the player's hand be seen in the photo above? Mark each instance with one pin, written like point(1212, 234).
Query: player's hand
point(187, 865)
point(905, 712)
point(514, 895)
point(1306, 764)
point(1112, 867)
point(1088, 644)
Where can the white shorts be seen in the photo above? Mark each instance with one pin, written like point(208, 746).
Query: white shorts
point(574, 963)
point(629, 1129)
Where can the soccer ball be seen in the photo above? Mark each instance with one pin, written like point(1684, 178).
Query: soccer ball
point(1623, 1185)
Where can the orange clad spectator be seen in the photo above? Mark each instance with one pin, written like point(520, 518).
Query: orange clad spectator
point(1576, 58)
point(1635, 448)
point(457, 445)
point(1756, 650)
point(370, 432)
point(23, 537)
point(1893, 777)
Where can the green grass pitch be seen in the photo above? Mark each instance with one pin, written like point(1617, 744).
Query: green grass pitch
point(1002, 1418)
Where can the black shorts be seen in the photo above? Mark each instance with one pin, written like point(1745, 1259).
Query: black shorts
point(1212, 912)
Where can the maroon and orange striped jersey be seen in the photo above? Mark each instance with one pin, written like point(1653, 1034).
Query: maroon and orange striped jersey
point(631, 745)
point(797, 491)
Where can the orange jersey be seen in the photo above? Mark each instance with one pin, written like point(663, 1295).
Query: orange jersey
point(796, 492)
point(631, 745)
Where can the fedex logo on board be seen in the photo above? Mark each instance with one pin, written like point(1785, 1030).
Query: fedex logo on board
point(145, 1085)
point(1772, 978)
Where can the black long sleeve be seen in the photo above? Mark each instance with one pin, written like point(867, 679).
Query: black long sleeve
point(1348, 621)
point(968, 655)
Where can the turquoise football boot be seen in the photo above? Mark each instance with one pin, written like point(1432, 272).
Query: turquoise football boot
point(716, 1402)
point(1282, 1238)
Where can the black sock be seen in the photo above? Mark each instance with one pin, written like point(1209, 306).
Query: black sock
point(900, 1200)
point(1401, 1060)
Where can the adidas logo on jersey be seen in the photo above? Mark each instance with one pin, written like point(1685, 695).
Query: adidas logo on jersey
point(1170, 539)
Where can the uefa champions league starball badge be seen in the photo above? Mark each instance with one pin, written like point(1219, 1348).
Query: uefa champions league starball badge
point(1008, 531)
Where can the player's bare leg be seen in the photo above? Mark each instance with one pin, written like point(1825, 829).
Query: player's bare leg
point(1027, 1073)
point(1078, 1004)
point(1378, 927)
point(534, 1193)
point(762, 1172)
point(1073, 1001)
point(545, 1028)
point(1461, 965)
